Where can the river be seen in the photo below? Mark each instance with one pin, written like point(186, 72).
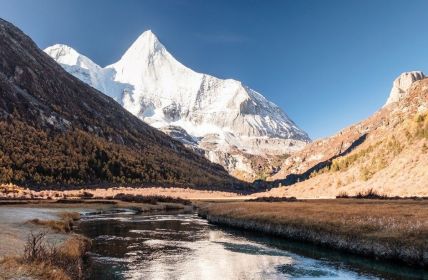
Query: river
point(127, 245)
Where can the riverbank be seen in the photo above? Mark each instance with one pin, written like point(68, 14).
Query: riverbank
point(38, 243)
point(13, 192)
point(392, 230)
point(62, 251)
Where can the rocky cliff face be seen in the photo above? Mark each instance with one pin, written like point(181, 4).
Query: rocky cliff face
point(224, 119)
point(57, 130)
point(386, 152)
point(401, 85)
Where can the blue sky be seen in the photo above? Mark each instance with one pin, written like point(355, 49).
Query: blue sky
point(327, 63)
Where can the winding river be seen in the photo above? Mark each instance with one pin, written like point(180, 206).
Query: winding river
point(183, 246)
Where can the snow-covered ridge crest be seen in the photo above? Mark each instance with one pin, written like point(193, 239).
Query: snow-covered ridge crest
point(222, 116)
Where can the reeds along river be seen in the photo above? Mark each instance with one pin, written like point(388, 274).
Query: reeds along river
point(184, 246)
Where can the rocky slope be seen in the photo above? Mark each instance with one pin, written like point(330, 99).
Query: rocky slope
point(402, 84)
point(387, 152)
point(56, 130)
point(223, 119)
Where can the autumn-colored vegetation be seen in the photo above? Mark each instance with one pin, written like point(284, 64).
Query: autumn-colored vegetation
point(378, 155)
point(43, 260)
point(56, 131)
point(399, 224)
point(272, 199)
point(64, 224)
point(37, 158)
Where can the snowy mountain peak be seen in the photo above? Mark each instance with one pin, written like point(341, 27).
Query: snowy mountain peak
point(146, 37)
point(64, 54)
point(224, 119)
point(402, 85)
point(146, 43)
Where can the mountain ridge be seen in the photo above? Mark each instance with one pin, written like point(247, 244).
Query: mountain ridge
point(385, 152)
point(79, 135)
point(228, 119)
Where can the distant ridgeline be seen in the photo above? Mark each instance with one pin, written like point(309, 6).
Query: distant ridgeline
point(57, 131)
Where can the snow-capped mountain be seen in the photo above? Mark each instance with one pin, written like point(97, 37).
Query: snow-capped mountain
point(223, 119)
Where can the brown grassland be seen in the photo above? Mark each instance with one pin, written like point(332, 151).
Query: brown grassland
point(65, 224)
point(395, 229)
point(42, 259)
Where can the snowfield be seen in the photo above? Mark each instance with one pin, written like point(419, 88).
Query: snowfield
point(223, 119)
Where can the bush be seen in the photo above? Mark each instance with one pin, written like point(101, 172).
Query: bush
point(63, 225)
point(421, 129)
point(342, 195)
point(68, 257)
point(273, 199)
point(35, 248)
point(369, 194)
point(151, 199)
point(86, 195)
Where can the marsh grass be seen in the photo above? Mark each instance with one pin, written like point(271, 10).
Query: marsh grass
point(42, 260)
point(402, 222)
point(64, 224)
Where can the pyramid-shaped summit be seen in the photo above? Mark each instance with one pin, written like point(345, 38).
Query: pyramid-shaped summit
point(226, 121)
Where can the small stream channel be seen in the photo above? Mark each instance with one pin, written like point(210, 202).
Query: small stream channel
point(176, 245)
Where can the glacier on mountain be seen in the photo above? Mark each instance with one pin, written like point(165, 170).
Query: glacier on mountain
point(223, 119)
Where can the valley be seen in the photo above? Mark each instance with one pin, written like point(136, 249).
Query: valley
point(129, 164)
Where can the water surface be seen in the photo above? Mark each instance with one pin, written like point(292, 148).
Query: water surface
point(184, 246)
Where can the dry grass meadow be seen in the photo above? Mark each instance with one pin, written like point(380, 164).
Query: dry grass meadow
point(399, 223)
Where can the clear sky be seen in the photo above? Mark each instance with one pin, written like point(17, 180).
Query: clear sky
point(327, 63)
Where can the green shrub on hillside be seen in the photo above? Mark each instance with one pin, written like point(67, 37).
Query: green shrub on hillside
point(421, 129)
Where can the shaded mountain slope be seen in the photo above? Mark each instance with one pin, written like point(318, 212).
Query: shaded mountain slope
point(55, 129)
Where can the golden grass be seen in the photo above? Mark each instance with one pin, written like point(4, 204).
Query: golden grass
point(73, 216)
point(400, 222)
point(42, 260)
point(370, 159)
point(14, 268)
point(75, 246)
point(65, 224)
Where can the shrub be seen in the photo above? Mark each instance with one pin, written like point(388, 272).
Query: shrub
point(272, 199)
point(35, 247)
point(65, 224)
point(342, 195)
point(371, 194)
point(151, 199)
point(86, 195)
point(343, 163)
point(68, 257)
point(419, 126)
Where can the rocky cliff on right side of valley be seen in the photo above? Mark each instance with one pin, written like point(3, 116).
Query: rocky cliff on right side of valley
point(387, 152)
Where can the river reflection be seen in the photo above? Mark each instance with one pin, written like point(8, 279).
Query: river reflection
point(183, 246)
